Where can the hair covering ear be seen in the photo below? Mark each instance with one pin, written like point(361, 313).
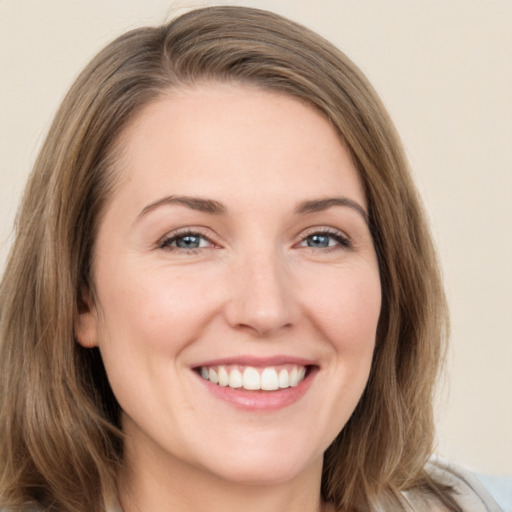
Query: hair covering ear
point(86, 322)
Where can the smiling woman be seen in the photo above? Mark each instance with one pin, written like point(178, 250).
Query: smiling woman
point(222, 288)
point(273, 259)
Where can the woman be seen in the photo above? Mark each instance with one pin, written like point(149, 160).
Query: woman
point(223, 292)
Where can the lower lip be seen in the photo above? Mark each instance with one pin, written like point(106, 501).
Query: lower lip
point(260, 400)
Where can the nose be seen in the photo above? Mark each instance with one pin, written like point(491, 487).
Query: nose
point(262, 299)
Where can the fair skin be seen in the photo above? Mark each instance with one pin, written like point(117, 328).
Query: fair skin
point(235, 245)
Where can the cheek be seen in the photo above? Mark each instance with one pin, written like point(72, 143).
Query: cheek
point(346, 306)
point(159, 309)
point(147, 319)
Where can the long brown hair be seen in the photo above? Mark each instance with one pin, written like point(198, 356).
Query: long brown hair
point(60, 441)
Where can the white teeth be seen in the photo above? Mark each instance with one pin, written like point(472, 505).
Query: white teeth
point(294, 377)
point(212, 376)
point(235, 379)
point(284, 379)
point(223, 376)
point(251, 378)
point(267, 379)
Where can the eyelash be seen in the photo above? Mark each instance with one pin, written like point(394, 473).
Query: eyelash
point(166, 242)
point(343, 241)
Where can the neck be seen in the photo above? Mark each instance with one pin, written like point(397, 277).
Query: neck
point(152, 485)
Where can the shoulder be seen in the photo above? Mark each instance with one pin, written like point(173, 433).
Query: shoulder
point(468, 491)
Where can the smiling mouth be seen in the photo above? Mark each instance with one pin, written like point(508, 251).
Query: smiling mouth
point(269, 378)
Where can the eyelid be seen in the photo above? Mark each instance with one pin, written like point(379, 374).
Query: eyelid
point(182, 232)
point(342, 238)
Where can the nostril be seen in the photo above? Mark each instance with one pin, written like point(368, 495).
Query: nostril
point(261, 301)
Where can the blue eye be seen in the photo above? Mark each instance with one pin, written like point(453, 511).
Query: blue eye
point(319, 241)
point(324, 240)
point(186, 241)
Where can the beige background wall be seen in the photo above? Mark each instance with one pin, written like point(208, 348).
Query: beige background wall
point(444, 69)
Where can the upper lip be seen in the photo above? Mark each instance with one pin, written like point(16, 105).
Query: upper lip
point(257, 361)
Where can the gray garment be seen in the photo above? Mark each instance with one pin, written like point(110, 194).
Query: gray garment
point(500, 488)
point(469, 492)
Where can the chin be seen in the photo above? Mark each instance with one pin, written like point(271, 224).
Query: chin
point(263, 472)
point(265, 463)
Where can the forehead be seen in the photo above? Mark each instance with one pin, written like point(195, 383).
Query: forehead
point(226, 140)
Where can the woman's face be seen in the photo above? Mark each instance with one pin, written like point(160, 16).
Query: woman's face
point(237, 286)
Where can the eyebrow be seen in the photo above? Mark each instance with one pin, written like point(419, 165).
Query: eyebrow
point(216, 208)
point(318, 205)
point(195, 203)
